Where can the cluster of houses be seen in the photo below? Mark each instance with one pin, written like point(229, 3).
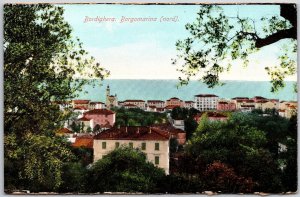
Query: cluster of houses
point(154, 140)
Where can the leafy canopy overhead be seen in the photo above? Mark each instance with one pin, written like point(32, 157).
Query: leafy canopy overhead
point(217, 39)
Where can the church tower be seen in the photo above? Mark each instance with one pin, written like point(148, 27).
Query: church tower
point(107, 96)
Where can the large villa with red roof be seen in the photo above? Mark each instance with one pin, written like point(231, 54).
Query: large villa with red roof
point(154, 142)
point(103, 117)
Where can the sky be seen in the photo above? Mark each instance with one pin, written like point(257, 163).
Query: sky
point(144, 50)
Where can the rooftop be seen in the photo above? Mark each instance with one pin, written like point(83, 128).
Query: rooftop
point(133, 133)
point(99, 112)
point(206, 95)
point(81, 101)
point(84, 141)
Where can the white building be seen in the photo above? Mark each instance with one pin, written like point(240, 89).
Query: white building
point(153, 142)
point(206, 102)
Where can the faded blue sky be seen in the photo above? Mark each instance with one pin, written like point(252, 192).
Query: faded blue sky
point(143, 50)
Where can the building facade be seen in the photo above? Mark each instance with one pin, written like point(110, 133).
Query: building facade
point(206, 102)
point(152, 141)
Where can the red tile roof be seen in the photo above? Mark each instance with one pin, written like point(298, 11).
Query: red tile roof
point(96, 102)
point(81, 101)
point(168, 127)
point(84, 119)
point(84, 141)
point(171, 106)
point(133, 101)
point(189, 101)
point(80, 108)
point(240, 98)
point(100, 112)
point(155, 101)
point(206, 95)
point(247, 106)
point(258, 97)
point(222, 102)
point(133, 133)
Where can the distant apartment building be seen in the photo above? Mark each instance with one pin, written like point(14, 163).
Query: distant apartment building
point(226, 106)
point(188, 104)
point(156, 103)
point(97, 105)
point(206, 102)
point(103, 117)
point(134, 104)
point(80, 104)
point(288, 108)
point(174, 101)
point(152, 141)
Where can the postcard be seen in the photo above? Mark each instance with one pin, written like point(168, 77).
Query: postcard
point(150, 98)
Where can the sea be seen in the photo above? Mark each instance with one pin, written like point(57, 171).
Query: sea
point(164, 89)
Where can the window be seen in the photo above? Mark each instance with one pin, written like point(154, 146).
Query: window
point(130, 144)
point(103, 145)
point(144, 146)
point(156, 146)
point(156, 160)
point(117, 144)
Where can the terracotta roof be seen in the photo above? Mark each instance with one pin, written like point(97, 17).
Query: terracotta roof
point(258, 97)
point(171, 106)
point(168, 127)
point(281, 110)
point(173, 98)
point(155, 101)
point(222, 102)
point(274, 100)
point(206, 95)
point(249, 101)
point(63, 130)
point(133, 101)
point(84, 141)
point(133, 133)
point(247, 106)
point(81, 101)
point(100, 112)
point(292, 107)
point(189, 101)
point(80, 108)
point(97, 102)
point(84, 119)
point(239, 98)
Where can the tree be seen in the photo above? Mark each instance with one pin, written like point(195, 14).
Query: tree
point(42, 64)
point(124, 170)
point(240, 145)
point(216, 40)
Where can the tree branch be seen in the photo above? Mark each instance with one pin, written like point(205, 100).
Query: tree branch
point(282, 34)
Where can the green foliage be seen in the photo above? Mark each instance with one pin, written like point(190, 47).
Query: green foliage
point(41, 60)
point(137, 117)
point(41, 163)
point(247, 143)
point(124, 170)
point(217, 39)
point(74, 177)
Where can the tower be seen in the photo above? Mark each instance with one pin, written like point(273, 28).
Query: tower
point(107, 96)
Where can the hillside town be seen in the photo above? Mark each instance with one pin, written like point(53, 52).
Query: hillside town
point(100, 133)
